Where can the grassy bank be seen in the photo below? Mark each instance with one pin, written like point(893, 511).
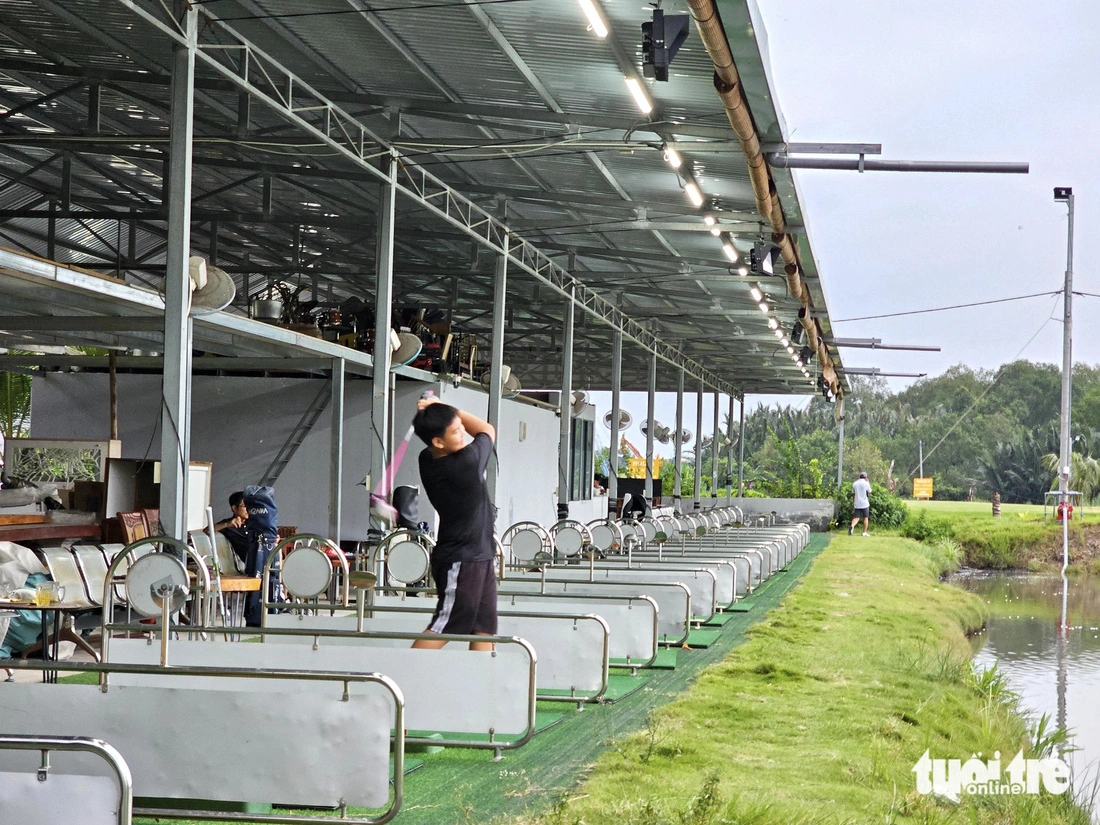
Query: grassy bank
point(821, 715)
point(1019, 538)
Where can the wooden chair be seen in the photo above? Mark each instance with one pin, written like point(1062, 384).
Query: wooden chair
point(133, 526)
point(151, 516)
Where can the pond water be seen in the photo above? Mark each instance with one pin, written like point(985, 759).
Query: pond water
point(1055, 674)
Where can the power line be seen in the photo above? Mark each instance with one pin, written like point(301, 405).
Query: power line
point(985, 392)
point(417, 7)
point(955, 306)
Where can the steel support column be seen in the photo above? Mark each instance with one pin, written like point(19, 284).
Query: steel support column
point(714, 448)
point(383, 310)
point(840, 455)
point(729, 455)
point(336, 451)
point(566, 406)
point(496, 368)
point(698, 490)
point(741, 451)
point(175, 406)
point(616, 411)
point(677, 473)
point(651, 403)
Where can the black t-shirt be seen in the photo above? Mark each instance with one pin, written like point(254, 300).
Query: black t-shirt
point(456, 487)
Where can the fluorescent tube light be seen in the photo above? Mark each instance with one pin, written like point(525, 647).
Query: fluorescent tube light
point(595, 19)
point(639, 94)
point(730, 251)
point(693, 193)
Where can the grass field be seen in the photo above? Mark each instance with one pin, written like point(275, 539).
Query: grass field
point(1021, 537)
point(821, 715)
point(978, 509)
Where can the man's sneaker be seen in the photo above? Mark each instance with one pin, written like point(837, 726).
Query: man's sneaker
point(866, 534)
point(851, 527)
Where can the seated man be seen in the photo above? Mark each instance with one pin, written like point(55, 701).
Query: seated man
point(233, 527)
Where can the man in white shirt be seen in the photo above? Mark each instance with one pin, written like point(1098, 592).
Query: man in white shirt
point(861, 503)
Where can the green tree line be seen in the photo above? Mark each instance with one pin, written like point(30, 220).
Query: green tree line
point(984, 431)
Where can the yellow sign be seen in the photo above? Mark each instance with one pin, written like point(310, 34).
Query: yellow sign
point(922, 488)
point(636, 467)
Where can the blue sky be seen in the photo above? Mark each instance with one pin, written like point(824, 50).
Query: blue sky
point(980, 81)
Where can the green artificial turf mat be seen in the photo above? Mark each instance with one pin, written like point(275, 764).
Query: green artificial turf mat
point(665, 660)
point(718, 619)
point(703, 638)
point(621, 686)
point(544, 719)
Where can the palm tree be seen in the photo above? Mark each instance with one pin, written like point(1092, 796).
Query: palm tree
point(15, 404)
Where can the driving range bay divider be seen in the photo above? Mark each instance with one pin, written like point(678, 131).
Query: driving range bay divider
point(39, 792)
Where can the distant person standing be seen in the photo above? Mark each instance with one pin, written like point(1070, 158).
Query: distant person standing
point(861, 504)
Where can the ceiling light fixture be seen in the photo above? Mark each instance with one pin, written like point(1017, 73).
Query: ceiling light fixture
point(773, 324)
point(693, 193)
point(638, 92)
point(743, 271)
point(731, 253)
point(595, 18)
point(674, 159)
point(755, 292)
point(710, 221)
point(765, 308)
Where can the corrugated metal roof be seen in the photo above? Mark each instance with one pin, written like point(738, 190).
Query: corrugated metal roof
point(514, 101)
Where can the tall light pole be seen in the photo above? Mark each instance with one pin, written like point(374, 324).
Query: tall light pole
point(1064, 194)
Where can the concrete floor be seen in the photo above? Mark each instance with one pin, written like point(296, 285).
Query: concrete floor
point(69, 653)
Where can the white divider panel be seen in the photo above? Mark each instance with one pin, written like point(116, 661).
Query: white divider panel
point(497, 683)
point(673, 599)
point(63, 799)
point(761, 558)
point(742, 564)
point(572, 650)
point(701, 583)
point(230, 744)
point(725, 574)
point(633, 621)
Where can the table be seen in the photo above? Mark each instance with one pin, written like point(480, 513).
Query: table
point(238, 588)
point(50, 643)
point(48, 532)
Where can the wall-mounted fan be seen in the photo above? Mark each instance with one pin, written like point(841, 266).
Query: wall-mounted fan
point(212, 290)
point(660, 431)
point(625, 420)
point(580, 401)
point(407, 349)
point(509, 385)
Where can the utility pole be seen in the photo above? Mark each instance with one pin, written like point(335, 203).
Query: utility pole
point(920, 448)
point(1064, 194)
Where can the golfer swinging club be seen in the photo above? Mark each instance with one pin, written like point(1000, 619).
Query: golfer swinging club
point(464, 558)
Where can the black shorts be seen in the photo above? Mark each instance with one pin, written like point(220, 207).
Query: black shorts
point(467, 597)
point(862, 512)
